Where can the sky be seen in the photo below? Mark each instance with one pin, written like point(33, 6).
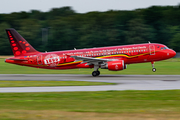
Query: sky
point(80, 6)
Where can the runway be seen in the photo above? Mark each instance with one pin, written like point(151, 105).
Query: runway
point(124, 82)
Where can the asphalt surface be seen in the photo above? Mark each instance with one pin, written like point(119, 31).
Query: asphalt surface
point(124, 82)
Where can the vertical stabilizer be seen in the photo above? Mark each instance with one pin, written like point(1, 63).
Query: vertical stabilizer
point(18, 44)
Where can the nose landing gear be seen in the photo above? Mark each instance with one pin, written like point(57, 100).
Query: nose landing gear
point(154, 69)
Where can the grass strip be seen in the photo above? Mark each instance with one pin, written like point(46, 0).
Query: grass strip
point(167, 67)
point(7, 83)
point(166, 101)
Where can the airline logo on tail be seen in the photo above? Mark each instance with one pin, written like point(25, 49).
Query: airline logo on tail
point(16, 49)
point(18, 44)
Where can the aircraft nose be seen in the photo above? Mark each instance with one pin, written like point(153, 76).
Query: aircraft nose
point(171, 53)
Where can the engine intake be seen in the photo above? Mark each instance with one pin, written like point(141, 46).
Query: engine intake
point(114, 65)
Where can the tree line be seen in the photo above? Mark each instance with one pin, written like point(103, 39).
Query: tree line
point(63, 28)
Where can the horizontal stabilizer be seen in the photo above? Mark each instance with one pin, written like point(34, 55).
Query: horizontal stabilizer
point(17, 59)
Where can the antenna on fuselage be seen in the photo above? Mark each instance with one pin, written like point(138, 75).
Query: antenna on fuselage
point(149, 42)
point(74, 48)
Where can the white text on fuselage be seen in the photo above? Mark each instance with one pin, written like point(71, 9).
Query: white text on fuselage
point(106, 50)
point(51, 60)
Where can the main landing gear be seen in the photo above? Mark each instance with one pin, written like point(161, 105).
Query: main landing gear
point(96, 72)
point(154, 69)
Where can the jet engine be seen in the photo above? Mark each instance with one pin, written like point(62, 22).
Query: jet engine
point(114, 65)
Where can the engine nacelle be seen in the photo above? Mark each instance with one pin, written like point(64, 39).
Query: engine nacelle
point(114, 65)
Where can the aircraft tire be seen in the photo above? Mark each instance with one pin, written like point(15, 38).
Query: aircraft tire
point(98, 72)
point(95, 73)
point(154, 69)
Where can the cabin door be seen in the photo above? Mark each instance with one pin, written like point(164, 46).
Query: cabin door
point(39, 60)
point(152, 49)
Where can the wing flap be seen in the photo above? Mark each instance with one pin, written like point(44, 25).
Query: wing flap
point(90, 60)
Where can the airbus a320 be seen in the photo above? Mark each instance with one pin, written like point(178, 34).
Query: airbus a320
point(114, 58)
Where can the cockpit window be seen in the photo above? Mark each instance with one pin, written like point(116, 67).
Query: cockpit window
point(164, 48)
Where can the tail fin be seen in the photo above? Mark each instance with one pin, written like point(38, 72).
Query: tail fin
point(18, 44)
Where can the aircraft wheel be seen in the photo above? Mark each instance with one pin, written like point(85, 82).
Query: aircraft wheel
point(154, 69)
point(95, 73)
point(98, 72)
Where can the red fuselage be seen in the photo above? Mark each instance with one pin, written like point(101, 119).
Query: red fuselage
point(112, 58)
point(138, 53)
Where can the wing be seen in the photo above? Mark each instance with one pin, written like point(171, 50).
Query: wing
point(91, 61)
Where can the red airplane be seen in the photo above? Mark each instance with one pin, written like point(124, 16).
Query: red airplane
point(113, 58)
